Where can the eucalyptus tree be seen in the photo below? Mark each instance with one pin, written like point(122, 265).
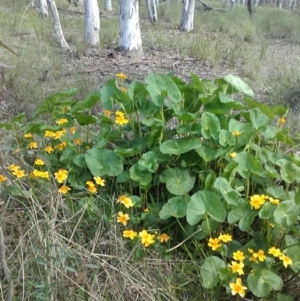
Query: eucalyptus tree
point(130, 33)
point(56, 23)
point(108, 5)
point(187, 17)
point(43, 8)
point(152, 10)
point(92, 22)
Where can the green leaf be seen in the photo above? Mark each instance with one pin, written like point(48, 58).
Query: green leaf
point(67, 154)
point(159, 86)
point(230, 195)
point(84, 119)
point(293, 251)
point(148, 161)
point(210, 126)
point(140, 175)
point(239, 84)
point(79, 160)
point(195, 210)
point(88, 103)
point(283, 297)
point(213, 205)
point(267, 210)
point(210, 271)
point(175, 207)
point(286, 213)
point(289, 171)
point(248, 164)
point(179, 146)
point(262, 281)
point(206, 153)
point(103, 162)
point(107, 94)
point(179, 181)
point(263, 107)
point(226, 138)
point(258, 118)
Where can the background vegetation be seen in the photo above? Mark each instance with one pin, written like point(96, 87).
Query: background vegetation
point(59, 252)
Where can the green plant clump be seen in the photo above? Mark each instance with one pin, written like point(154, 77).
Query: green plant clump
point(202, 160)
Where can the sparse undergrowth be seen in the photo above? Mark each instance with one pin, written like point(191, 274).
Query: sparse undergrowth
point(198, 170)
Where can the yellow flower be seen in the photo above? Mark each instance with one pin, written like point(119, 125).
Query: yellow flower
point(61, 146)
point(214, 243)
point(260, 255)
point(28, 135)
point(119, 114)
point(285, 260)
point(49, 134)
point(163, 237)
point(126, 201)
point(252, 258)
point(239, 255)
point(59, 134)
point(257, 201)
point(13, 167)
point(33, 145)
point(90, 183)
point(225, 237)
point(124, 90)
point(73, 130)
point(282, 120)
point(123, 218)
point(233, 155)
point(121, 120)
point(251, 251)
point(61, 175)
point(99, 181)
point(62, 121)
point(64, 189)
point(274, 201)
point(236, 133)
point(121, 76)
point(237, 267)
point(146, 210)
point(41, 174)
point(78, 141)
point(19, 173)
point(49, 149)
point(92, 189)
point(2, 178)
point(147, 239)
point(129, 234)
point(39, 162)
point(238, 288)
point(275, 252)
point(107, 113)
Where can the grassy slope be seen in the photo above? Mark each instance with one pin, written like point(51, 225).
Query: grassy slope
point(55, 253)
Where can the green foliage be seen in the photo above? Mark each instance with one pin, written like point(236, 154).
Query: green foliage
point(192, 157)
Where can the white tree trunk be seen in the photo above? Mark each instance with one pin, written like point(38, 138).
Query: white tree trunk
point(184, 9)
point(152, 11)
point(188, 19)
point(91, 22)
point(232, 4)
point(56, 23)
point(43, 8)
point(130, 33)
point(31, 2)
point(108, 5)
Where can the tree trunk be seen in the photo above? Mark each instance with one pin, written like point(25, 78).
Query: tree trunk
point(31, 3)
point(91, 22)
point(188, 19)
point(43, 8)
point(108, 5)
point(56, 23)
point(152, 12)
point(232, 4)
point(130, 33)
point(184, 10)
point(249, 6)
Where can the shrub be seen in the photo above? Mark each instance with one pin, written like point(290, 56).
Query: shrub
point(201, 160)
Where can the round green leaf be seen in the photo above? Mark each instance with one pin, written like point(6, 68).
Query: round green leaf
point(239, 84)
point(148, 162)
point(210, 271)
point(258, 118)
point(261, 282)
point(175, 207)
point(286, 213)
point(195, 210)
point(103, 162)
point(179, 146)
point(140, 175)
point(210, 126)
point(179, 181)
point(289, 171)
